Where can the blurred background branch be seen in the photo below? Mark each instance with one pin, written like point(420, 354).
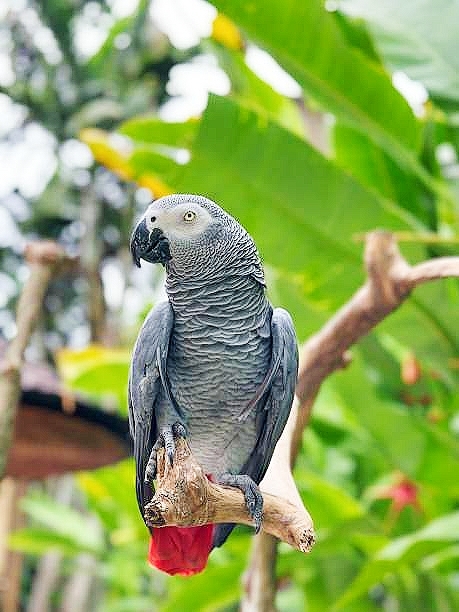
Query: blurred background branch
point(44, 259)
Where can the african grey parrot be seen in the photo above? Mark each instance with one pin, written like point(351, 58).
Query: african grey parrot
point(214, 363)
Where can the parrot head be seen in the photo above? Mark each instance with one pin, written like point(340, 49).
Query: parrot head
point(194, 239)
point(178, 226)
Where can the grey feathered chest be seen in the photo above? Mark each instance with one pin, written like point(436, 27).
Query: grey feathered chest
point(219, 354)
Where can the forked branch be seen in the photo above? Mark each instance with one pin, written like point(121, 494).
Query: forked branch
point(390, 281)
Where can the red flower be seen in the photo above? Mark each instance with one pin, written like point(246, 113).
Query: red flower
point(403, 493)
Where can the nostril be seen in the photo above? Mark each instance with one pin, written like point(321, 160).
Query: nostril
point(152, 219)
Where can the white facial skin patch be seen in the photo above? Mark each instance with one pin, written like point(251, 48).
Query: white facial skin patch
point(184, 221)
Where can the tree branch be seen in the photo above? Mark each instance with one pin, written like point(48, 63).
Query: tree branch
point(390, 281)
point(44, 258)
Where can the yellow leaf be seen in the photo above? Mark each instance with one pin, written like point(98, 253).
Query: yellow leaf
point(226, 33)
point(104, 151)
point(73, 363)
point(93, 486)
point(115, 159)
point(155, 185)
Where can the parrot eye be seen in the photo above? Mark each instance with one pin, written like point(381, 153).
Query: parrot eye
point(189, 216)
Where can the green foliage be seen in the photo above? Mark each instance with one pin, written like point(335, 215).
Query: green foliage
point(402, 551)
point(417, 39)
point(98, 371)
point(307, 41)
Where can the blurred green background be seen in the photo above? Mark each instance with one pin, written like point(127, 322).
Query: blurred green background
point(313, 123)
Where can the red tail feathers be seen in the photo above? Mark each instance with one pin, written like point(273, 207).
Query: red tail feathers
point(181, 550)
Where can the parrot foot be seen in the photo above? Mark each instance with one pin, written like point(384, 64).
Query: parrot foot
point(165, 440)
point(252, 495)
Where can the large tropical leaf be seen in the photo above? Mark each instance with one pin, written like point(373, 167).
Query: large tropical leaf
point(418, 37)
point(376, 169)
point(307, 41)
point(312, 46)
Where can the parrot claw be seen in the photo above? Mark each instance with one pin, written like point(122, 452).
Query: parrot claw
point(252, 495)
point(168, 442)
point(165, 440)
point(168, 434)
point(150, 470)
point(178, 429)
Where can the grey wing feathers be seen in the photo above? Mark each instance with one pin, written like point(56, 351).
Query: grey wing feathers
point(279, 397)
point(146, 377)
point(274, 407)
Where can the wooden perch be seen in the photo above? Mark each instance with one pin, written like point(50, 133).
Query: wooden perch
point(390, 281)
point(186, 497)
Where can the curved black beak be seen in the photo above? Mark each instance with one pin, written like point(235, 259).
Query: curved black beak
point(151, 246)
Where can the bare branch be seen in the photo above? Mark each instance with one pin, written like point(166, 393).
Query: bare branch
point(390, 281)
point(259, 580)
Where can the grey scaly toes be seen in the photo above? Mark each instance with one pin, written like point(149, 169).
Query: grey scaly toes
point(166, 440)
point(252, 495)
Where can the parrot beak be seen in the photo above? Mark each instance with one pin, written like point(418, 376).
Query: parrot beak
point(151, 246)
